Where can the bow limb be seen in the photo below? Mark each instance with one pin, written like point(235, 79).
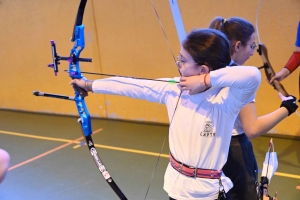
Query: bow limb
point(75, 73)
point(177, 20)
point(263, 52)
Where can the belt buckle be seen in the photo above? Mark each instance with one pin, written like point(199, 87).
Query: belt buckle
point(195, 172)
point(212, 173)
point(180, 168)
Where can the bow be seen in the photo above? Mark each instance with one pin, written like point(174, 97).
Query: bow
point(75, 73)
point(263, 52)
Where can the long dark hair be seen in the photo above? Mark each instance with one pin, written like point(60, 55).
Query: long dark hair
point(208, 47)
point(235, 28)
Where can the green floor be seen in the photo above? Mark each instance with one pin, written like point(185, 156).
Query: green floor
point(70, 172)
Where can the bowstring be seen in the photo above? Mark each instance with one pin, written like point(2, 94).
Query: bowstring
point(163, 30)
point(169, 46)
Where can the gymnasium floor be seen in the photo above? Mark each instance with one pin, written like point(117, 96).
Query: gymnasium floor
point(46, 162)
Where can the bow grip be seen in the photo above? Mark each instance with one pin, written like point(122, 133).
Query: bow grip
point(82, 92)
point(263, 52)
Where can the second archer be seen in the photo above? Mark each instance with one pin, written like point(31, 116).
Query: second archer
point(241, 166)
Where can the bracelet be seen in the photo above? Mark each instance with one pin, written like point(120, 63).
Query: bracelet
point(205, 80)
point(87, 87)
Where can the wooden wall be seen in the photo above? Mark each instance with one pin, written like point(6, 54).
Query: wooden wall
point(125, 38)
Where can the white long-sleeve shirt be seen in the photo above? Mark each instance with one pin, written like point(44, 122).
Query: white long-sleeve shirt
point(201, 128)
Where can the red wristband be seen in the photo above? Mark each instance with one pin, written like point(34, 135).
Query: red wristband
point(293, 62)
point(205, 80)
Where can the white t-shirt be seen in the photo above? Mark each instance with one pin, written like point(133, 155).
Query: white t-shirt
point(237, 127)
point(200, 132)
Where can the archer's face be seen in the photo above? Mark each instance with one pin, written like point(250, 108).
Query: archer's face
point(187, 65)
point(245, 51)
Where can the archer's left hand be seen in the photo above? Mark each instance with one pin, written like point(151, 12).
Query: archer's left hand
point(289, 103)
point(82, 83)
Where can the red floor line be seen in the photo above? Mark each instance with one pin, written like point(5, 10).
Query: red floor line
point(50, 151)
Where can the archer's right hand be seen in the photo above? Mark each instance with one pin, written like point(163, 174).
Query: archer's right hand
point(194, 84)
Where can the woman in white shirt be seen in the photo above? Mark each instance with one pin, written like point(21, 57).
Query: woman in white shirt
point(201, 124)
